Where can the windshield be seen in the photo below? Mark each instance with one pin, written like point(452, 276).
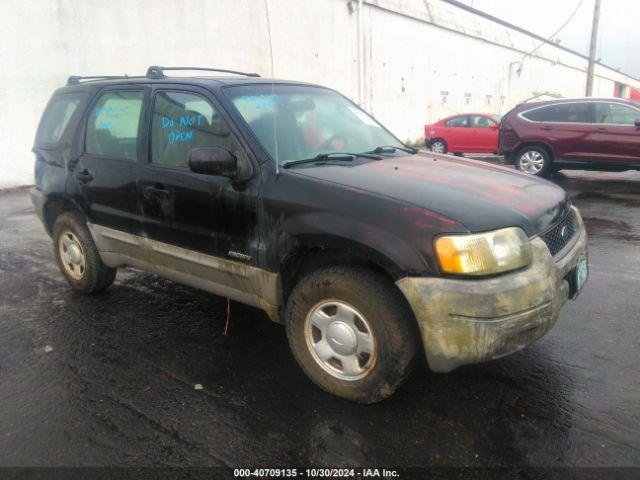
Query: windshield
point(309, 121)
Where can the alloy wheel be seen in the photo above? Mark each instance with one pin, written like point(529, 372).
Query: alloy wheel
point(531, 162)
point(437, 147)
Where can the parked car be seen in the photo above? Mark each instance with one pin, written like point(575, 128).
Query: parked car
point(588, 134)
point(464, 133)
point(288, 197)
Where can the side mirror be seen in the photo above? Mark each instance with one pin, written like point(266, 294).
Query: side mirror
point(637, 122)
point(219, 162)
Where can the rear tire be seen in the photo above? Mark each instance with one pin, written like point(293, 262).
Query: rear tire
point(533, 160)
point(77, 255)
point(438, 145)
point(352, 332)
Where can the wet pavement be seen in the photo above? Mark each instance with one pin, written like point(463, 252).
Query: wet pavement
point(109, 379)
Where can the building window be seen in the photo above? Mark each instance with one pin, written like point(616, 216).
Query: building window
point(467, 98)
point(443, 96)
point(620, 90)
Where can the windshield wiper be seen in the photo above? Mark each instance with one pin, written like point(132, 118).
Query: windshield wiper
point(393, 148)
point(338, 156)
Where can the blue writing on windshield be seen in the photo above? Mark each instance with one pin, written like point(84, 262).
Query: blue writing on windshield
point(261, 101)
point(105, 111)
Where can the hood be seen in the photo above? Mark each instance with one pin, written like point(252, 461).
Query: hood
point(479, 195)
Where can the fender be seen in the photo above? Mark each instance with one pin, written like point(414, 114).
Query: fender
point(392, 252)
point(535, 141)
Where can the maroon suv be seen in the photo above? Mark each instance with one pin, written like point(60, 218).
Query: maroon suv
point(588, 134)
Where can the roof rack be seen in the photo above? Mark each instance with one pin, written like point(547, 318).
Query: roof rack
point(75, 79)
point(157, 72)
point(153, 72)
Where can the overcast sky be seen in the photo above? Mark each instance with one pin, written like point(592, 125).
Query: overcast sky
point(619, 34)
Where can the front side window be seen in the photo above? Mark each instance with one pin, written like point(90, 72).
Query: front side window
point(112, 127)
point(615, 113)
point(57, 116)
point(457, 122)
point(182, 121)
point(478, 121)
point(563, 113)
point(295, 122)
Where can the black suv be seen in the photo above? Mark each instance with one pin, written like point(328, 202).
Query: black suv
point(289, 197)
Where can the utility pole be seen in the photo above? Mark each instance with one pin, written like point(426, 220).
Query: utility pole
point(592, 48)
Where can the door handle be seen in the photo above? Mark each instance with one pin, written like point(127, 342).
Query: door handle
point(156, 189)
point(84, 176)
point(546, 127)
point(601, 129)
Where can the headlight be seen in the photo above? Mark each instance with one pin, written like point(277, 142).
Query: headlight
point(484, 253)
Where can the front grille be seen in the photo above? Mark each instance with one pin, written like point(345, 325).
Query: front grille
point(558, 236)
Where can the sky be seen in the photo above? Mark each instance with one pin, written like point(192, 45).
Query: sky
point(619, 33)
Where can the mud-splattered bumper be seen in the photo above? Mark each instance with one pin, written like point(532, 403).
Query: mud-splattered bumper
point(470, 321)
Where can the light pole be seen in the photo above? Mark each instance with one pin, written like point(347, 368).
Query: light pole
point(592, 48)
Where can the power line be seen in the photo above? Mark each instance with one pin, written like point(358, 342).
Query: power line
point(557, 31)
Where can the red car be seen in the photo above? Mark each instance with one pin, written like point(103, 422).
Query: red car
point(464, 133)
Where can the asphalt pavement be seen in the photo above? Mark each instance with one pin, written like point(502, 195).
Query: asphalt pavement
point(112, 379)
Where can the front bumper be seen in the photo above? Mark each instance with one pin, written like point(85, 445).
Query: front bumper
point(466, 321)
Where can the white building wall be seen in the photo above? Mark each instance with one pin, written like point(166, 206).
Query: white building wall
point(413, 50)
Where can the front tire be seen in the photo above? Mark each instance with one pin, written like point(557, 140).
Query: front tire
point(77, 255)
point(352, 332)
point(533, 160)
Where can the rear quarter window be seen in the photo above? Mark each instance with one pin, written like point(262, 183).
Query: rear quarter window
point(55, 119)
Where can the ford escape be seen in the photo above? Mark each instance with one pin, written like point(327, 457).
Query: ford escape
point(289, 197)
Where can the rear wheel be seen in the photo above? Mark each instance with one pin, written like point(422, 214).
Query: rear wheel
point(533, 160)
point(438, 146)
point(352, 332)
point(77, 255)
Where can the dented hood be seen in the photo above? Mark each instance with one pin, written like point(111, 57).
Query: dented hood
point(479, 195)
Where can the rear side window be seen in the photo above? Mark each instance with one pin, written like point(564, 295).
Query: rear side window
point(112, 126)
point(182, 121)
point(457, 122)
point(57, 116)
point(565, 113)
point(615, 113)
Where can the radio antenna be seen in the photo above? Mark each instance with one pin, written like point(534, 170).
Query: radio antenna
point(273, 93)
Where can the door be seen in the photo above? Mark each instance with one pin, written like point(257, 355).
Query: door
point(205, 213)
point(615, 138)
point(457, 133)
point(106, 172)
point(483, 134)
